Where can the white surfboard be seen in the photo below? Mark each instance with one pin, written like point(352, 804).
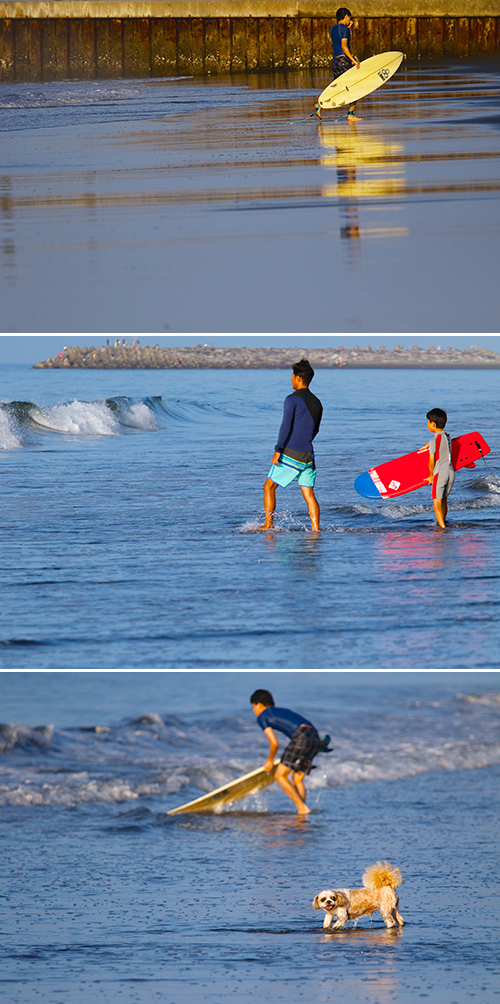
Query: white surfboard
point(355, 84)
point(229, 793)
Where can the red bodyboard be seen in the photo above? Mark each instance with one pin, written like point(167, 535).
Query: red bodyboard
point(398, 477)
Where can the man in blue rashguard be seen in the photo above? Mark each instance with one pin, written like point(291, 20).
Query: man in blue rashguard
point(294, 457)
point(304, 744)
point(343, 59)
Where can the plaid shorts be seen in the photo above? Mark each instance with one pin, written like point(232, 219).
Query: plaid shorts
point(302, 748)
point(340, 64)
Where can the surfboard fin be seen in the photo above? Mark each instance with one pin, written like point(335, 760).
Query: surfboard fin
point(325, 748)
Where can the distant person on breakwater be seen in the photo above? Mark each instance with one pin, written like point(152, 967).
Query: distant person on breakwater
point(343, 59)
point(298, 756)
point(441, 473)
point(294, 456)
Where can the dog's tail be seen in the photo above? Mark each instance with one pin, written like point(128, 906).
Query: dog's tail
point(380, 875)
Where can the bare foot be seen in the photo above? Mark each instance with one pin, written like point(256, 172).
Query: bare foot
point(354, 118)
point(303, 812)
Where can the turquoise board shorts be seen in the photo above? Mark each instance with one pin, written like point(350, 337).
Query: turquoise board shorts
point(284, 472)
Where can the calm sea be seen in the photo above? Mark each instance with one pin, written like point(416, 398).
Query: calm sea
point(130, 500)
point(106, 898)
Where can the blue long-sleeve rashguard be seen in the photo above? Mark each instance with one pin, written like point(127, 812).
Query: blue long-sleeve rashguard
point(302, 413)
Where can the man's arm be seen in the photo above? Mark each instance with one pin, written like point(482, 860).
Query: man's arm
point(273, 749)
point(346, 51)
point(286, 424)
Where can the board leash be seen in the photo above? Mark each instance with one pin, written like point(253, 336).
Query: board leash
point(495, 476)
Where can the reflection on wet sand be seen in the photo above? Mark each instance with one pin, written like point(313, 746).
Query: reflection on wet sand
point(230, 183)
point(365, 168)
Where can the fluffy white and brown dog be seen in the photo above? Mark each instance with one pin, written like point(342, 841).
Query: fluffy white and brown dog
point(379, 882)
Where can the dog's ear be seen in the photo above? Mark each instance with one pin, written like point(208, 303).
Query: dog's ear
point(315, 903)
point(340, 899)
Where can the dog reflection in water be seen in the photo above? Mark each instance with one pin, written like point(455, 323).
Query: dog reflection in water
point(378, 893)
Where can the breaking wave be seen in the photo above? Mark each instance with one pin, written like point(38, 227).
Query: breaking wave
point(113, 416)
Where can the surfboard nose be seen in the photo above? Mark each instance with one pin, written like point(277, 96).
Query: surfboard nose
point(365, 486)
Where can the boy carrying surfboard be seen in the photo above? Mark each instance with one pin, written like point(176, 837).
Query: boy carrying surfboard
point(297, 757)
point(441, 473)
point(343, 59)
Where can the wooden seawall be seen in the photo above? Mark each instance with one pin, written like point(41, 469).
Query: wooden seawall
point(76, 39)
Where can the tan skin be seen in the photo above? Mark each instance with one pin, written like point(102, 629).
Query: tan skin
point(440, 505)
point(294, 788)
point(270, 486)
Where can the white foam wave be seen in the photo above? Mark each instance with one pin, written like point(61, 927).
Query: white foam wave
point(9, 439)
point(408, 762)
point(88, 418)
point(139, 416)
point(80, 789)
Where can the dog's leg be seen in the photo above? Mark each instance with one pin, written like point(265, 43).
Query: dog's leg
point(328, 920)
point(398, 917)
point(342, 919)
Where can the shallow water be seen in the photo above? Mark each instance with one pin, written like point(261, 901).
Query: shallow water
point(106, 898)
point(130, 502)
point(220, 205)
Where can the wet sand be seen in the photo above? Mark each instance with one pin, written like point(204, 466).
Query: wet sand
point(220, 206)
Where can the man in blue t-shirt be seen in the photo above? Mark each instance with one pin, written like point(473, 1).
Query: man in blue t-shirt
point(343, 59)
point(294, 457)
point(304, 744)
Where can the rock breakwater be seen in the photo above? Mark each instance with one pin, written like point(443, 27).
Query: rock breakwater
point(136, 356)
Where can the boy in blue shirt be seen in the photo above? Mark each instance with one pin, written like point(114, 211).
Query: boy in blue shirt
point(340, 34)
point(304, 744)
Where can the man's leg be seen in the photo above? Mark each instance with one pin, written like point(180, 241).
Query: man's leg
point(313, 507)
point(269, 503)
point(351, 115)
point(298, 780)
point(283, 780)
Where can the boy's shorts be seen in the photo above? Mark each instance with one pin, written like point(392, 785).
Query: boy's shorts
point(284, 472)
point(340, 64)
point(302, 748)
point(443, 483)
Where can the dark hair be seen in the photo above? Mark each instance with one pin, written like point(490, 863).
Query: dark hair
point(304, 370)
point(342, 13)
point(262, 697)
point(438, 416)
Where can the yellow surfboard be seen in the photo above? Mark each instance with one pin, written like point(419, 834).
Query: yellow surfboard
point(355, 84)
point(229, 793)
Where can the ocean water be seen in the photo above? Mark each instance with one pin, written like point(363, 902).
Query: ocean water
point(107, 898)
point(219, 205)
point(130, 503)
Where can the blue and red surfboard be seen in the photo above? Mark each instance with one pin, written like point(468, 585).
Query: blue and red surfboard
point(398, 477)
